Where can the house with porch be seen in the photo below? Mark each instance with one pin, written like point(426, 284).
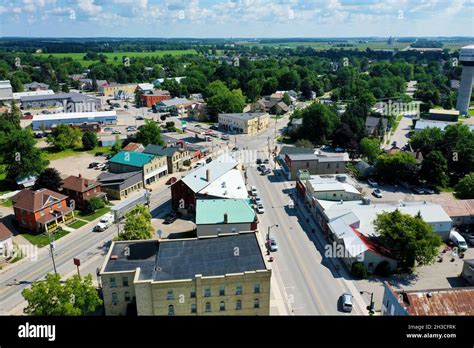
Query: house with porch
point(42, 210)
point(80, 190)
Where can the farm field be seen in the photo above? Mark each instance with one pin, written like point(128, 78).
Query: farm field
point(324, 45)
point(112, 55)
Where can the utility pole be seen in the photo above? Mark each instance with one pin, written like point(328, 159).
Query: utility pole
point(51, 250)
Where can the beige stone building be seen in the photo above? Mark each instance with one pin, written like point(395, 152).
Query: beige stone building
point(245, 123)
point(225, 275)
point(109, 90)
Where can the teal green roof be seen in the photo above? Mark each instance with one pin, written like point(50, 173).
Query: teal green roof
point(135, 159)
point(211, 211)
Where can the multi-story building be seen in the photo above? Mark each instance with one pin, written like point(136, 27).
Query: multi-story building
point(81, 190)
point(150, 99)
point(153, 167)
point(112, 88)
point(120, 186)
point(175, 156)
point(339, 187)
point(245, 123)
point(225, 275)
point(319, 162)
point(41, 210)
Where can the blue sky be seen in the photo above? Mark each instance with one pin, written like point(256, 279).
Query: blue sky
point(236, 18)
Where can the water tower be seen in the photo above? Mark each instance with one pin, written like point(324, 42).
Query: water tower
point(466, 57)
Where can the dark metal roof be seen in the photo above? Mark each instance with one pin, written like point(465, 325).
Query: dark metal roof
point(183, 259)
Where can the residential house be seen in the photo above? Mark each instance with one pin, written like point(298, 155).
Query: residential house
point(199, 111)
point(153, 167)
point(217, 179)
point(428, 302)
point(244, 123)
point(175, 156)
point(376, 126)
point(120, 186)
point(468, 271)
point(80, 190)
point(319, 162)
point(42, 210)
point(6, 242)
point(222, 216)
point(142, 277)
point(36, 86)
point(133, 147)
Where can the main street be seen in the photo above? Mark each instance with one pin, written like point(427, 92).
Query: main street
point(83, 244)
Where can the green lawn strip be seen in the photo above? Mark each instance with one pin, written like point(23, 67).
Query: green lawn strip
point(41, 240)
point(78, 224)
point(395, 125)
point(50, 154)
point(6, 202)
point(91, 217)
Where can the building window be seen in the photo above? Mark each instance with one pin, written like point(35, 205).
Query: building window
point(329, 165)
point(170, 309)
point(193, 293)
point(307, 164)
point(208, 307)
point(256, 288)
point(193, 308)
point(42, 212)
point(114, 298)
point(238, 290)
point(222, 290)
point(337, 165)
point(238, 305)
point(169, 295)
point(125, 282)
point(127, 296)
point(222, 306)
point(256, 303)
point(113, 282)
point(207, 292)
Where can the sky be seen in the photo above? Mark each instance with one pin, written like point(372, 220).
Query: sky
point(236, 18)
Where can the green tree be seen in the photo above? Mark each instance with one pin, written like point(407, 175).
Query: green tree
point(434, 168)
point(427, 140)
point(137, 224)
point(304, 143)
point(254, 89)
point(458, 149)
point(319, 123)
point(465, 187)
point(400, 166)
point(11, 119)
point(76, 297)
point(65, 137)
point(369, 149)
point(93, 204)
point(89, 140)
point(49, 179)
point(116, 147)
point(149, 133)
point(409, 238)
point(286, 99)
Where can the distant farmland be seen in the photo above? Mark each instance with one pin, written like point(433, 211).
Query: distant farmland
point(111, 55)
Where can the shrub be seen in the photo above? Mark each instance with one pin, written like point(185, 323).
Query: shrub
point(94, 204)
point(187, 163)
point(383, 269)
point(170, 124)
point(358, 270)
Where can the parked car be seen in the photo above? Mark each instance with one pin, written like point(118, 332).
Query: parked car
point(266, 161)
point(428, 190)
point(372, 182)
point(235, 149)
point(100, 166)
point(108, 129)
point(458, 240)
point(105, 167)
point(377, 193)
point(418, 190)
point(260, 208)
point(259, 161)
point(214, 127)
point(258, 200)
point(266, 171)
point(102, 226)
point(131, 129)
point(346, 302)
point(93, 165)
point(209, 160)
point(116, 105)
point(116, 132)
point(39, 135)
point(170, 218)
point(261, 168)
point(171, 181)
point(106, 218)
point(139, 118)
point(253, 191)
point(99, 153)
point(225, 137)
point(273, 244)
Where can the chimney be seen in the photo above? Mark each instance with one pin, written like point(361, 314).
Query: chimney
point(79, 176)
point(208, 175)
point(226, 218)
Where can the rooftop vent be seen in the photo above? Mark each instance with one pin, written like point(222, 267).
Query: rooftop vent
point(429, 295)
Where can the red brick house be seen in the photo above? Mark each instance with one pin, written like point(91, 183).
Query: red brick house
point(41, 210)
point(149, 100)
point(81, 189)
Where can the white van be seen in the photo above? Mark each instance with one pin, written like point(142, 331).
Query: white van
point(458, 240)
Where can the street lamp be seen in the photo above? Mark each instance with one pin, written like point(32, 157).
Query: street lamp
point(268, 233)
point(370, 307)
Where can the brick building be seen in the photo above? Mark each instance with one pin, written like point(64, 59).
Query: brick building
point(81, 190)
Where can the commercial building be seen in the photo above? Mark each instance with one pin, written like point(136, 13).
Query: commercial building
point(351, 225)
point(42, 210)
point(112, 88)
point(70, 102)
point(175, 156)
point(153, 167)
point(245, 123)
point(429, 302)
point(145, 87)
point(217, 179)
point(150, 99)
point(19, 95)
point(74, 119)
point(80, 190)
point(187, 277)
point(179, 105)
point(221, 216)
point(461, 211)
point(442, 115)
point(319, 162)
point(6, 91)
point(339, 187)
point(121, 186)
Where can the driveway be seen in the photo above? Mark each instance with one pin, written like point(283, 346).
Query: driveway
point(401, 133)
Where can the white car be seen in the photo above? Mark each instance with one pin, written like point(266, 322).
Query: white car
point(372, 182)
point(273, 244)
point(254, 191)
point(258, 200)
point(377, 193)
point(107, 218)
point(260, 208)
point(102, 226)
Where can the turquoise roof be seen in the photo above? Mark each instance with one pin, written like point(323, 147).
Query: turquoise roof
point(211, 211)
point(135, 159)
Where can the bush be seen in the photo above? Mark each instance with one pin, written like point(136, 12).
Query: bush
point(187, 163)
point(383, 269)
point(94, 204)
point(169, 124)
point(358, 270)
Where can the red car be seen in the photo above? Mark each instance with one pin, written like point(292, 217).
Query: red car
point(171, 181)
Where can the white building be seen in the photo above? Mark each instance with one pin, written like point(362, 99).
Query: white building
point(332, 188)
point(6, 91)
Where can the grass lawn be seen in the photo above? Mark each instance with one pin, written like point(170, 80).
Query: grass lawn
point(51, 154)
point(119, 55)
point(395, 125)
point(77, 224)
point(90, 217)
point(284, 139)
point(7, 202)
point(41, 240)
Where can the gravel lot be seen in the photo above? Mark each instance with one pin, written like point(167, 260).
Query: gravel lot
point(78, 164)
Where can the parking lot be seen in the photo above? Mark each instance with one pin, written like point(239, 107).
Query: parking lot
point(78, 164)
